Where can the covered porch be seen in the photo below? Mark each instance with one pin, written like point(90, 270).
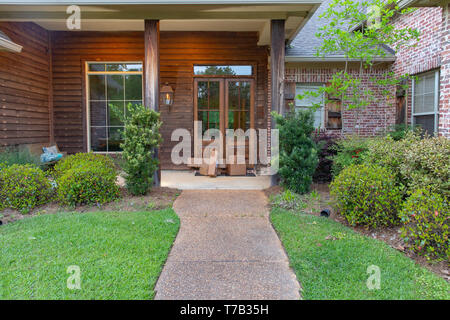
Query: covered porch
point(64, 71)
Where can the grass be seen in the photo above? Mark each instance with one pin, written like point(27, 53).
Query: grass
point(337, 268)
point(120, 254)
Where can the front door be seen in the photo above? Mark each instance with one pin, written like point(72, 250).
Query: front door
point(224, 103)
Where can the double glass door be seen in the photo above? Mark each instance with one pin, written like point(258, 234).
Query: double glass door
point(222, 104)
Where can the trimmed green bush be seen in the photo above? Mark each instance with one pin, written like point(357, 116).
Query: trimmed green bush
point(80, 160)
point(141, 139)
point(298, 151)
point(426, 216)
point(92, 183)
point(23, 187)
point(426, 164)
point(367, 195)
point(349, 151)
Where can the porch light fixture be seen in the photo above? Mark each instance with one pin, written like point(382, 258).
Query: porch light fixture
point(166, 93)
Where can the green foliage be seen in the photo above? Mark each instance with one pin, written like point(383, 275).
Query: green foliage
point(141, 138)
point(298, 151)
point(426, 216)
point(288, 200)
point(81, 160)
point(23, 187)
point(426, 163)
point(88, 183)
point(349, 151)
point(400, 131)
point(12, 155)
point(364, 45)
point(367, 195)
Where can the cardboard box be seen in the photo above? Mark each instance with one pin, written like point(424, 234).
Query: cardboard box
point(235, 169)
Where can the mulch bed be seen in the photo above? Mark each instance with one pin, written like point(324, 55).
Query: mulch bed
point(157, 198)
point(389, 235)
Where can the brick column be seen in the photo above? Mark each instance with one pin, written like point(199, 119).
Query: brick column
point(444, 103)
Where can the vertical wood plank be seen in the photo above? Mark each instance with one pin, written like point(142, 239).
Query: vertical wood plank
point(151, 77)
point(50, 89)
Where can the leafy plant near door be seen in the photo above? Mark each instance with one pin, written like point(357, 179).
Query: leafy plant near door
point(141, 138)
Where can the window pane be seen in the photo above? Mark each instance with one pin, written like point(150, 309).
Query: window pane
point(115, 67)
point(98, 139)
point(96, 67)
point(238, 120)
point(202, 96)
point(309, 100)
point(133, 67)
point(224, 70)
point(115, 112)
point(97, 87)
point(425, 122)
point(115, 138)
point(115, 87)
point(133, 87)
point(98, 113)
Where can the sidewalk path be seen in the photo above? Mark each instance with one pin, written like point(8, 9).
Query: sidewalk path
point(226, 249)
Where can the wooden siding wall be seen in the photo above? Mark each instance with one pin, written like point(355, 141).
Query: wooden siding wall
point(179, 52)
point(25, 86)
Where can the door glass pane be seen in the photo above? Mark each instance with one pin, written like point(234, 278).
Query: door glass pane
point(214, 95)
point(238, 120)
point(97, 67)
point(115, 87)
point(239, 105)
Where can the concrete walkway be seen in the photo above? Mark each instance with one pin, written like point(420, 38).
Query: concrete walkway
point(226, 249)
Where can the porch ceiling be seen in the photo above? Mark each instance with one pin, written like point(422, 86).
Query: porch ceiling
point(178, 15)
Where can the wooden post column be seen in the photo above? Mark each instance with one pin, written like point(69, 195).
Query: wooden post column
point(277, 52)
point(151, 76)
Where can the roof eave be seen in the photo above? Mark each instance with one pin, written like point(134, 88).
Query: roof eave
point(333, 59)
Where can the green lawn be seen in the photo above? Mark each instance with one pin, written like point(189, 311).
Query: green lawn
point(337, 269)
point(120, 254)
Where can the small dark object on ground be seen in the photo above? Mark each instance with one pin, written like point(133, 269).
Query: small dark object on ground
point(325, 213)
point(1, 222)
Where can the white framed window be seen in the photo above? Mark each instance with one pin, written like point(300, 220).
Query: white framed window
point(309, 101)
point(110, 83)
point(425, 101)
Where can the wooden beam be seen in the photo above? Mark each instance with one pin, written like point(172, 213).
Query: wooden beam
point(50, 90)
point(151, 76)
point(277, 52)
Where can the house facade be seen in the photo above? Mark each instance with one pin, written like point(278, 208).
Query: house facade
point(228, 63)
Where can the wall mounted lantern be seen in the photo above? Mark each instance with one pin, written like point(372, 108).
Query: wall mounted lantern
point(166, 93)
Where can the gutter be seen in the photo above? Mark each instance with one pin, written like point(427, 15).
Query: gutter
point(333, 59)
point(7, 45)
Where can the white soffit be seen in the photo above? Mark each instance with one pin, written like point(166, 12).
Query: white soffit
point(228, 15)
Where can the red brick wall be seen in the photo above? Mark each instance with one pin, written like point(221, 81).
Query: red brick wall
point(444, 104)
point(426, 55)
point(371, 120)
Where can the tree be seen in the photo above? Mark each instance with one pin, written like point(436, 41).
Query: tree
point(360, 31)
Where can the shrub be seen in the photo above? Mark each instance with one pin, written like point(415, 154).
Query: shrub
point(349, 151)
point(426, 216)
point(13, 155)
point(23, 187)
point(92, 183)
point(426, 163)
point(388, 153)
point(400, 131)
point(326, 145)
point(298, 151)
point(80, 160)
point(141, 139)
point(367, 195)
